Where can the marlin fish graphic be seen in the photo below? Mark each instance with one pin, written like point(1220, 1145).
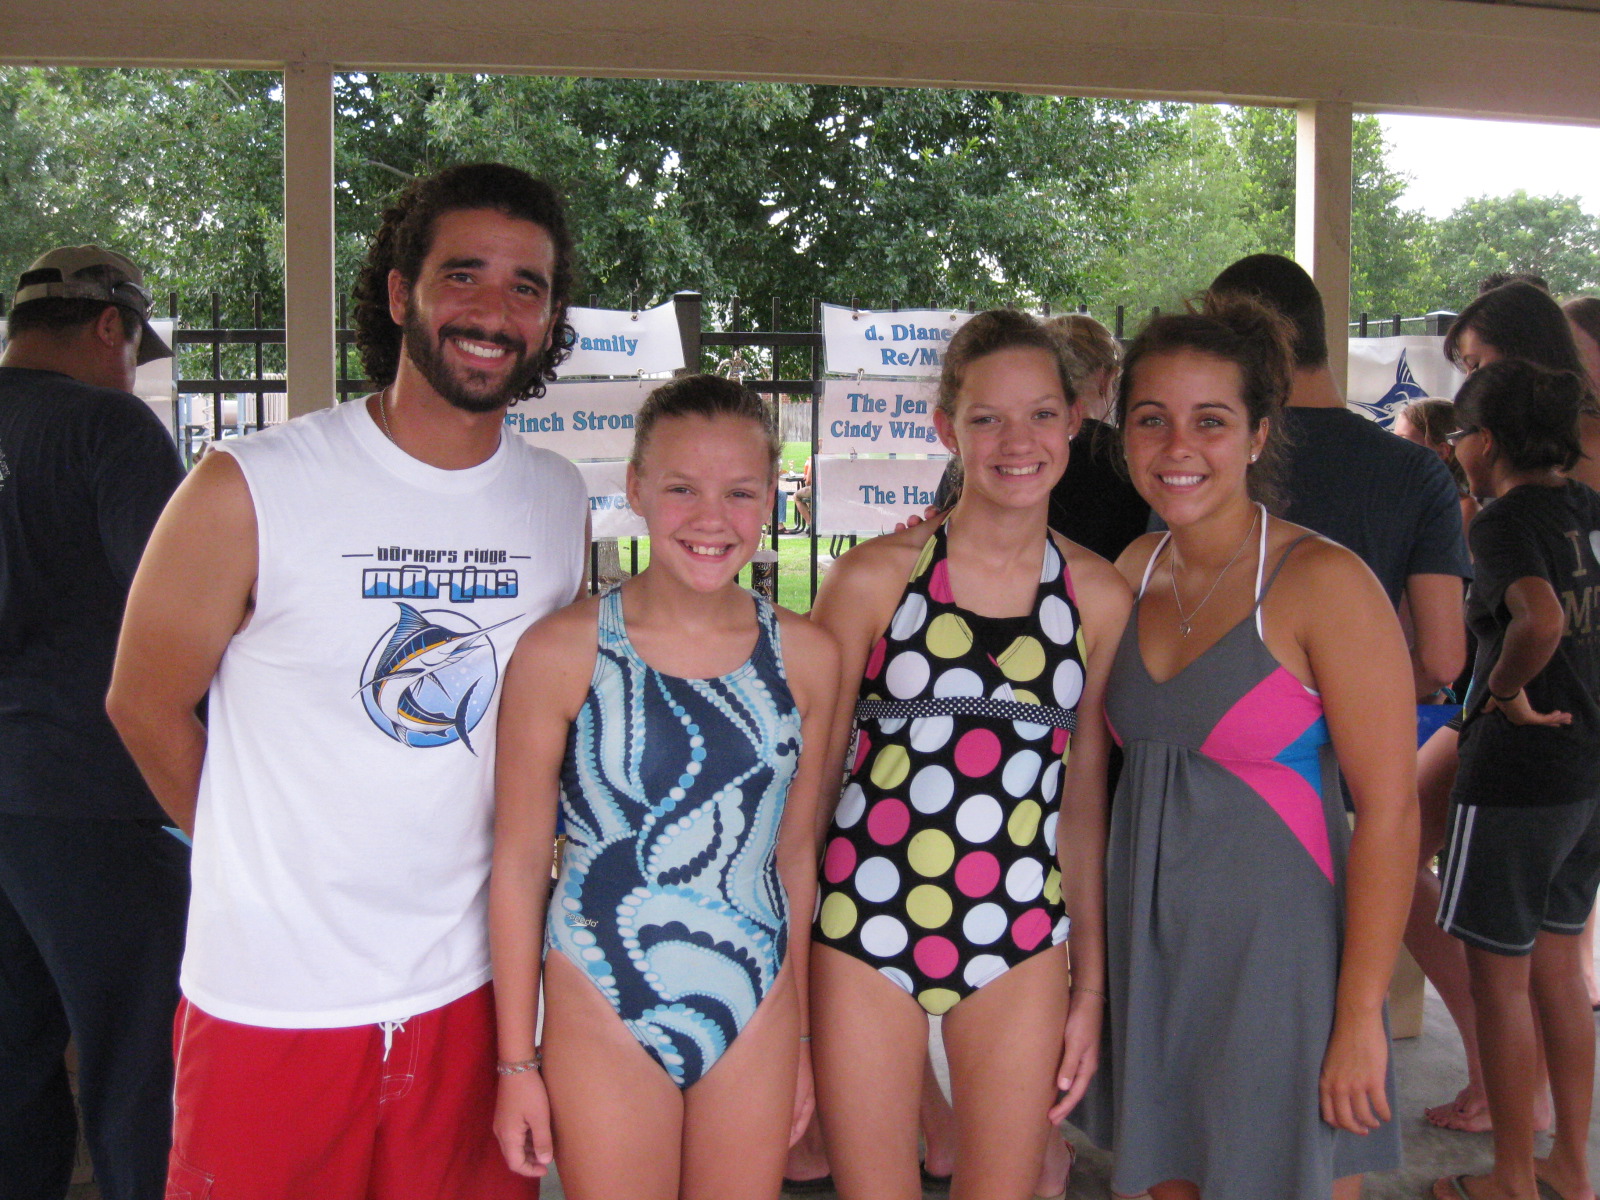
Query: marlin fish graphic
point(1405, 389)
point(416, 652)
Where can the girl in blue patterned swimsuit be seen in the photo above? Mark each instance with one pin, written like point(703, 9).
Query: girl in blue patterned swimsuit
point(679, 723)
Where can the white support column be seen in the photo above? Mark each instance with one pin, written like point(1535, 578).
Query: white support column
point(1322, 218)
point(308, 235)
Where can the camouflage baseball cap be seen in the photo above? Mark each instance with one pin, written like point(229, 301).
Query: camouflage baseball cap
point(90, 273)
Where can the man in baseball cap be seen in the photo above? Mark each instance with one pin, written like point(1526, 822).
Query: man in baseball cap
point(93, 889)
point(90, 273)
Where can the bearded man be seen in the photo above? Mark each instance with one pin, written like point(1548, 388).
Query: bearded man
point(344, 590)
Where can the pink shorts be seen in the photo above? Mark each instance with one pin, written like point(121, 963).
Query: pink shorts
point(338, 1114)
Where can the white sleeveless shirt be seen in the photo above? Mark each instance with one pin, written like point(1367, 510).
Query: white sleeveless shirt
point(342, 839)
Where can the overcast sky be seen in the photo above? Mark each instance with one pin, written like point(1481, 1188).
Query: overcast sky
point(1450, 160)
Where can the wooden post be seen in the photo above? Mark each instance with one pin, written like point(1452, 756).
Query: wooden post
point(1322, 218)
point(308, 236)
point(688, 306)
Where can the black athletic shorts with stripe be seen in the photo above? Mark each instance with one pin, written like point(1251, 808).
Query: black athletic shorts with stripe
point(1511, 871)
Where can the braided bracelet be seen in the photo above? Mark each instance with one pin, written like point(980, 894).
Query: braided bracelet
point(517, 1068)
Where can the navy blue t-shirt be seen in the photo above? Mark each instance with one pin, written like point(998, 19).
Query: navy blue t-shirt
point(84, 473)
point(1094, 503)
point(1549, 533)
point(1390, 501)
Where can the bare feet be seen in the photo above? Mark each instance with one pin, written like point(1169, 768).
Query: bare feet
point(1469, 1113)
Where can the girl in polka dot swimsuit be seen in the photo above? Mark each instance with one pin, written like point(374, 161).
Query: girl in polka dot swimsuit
point(983, 876)
point(968, 840)
point(681, 725)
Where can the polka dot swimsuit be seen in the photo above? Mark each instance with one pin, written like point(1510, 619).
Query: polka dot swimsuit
point(940, 865)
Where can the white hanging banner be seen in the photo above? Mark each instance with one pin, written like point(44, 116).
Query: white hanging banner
point(609, 514)
point(1386, 374)
point(873, 495)
point(875, 416)
point(910, 342)
point(583, 420)
point(613, 342)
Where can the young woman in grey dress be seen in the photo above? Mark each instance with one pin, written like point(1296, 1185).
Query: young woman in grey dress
point(1250, 937)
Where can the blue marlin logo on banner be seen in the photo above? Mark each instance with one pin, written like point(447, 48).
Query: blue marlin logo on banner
point(429, 678)
point(1405, 390)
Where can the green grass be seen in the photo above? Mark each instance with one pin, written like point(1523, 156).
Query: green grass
point(793, 457)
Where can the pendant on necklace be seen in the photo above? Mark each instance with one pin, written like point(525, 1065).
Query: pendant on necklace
point(1184, 627)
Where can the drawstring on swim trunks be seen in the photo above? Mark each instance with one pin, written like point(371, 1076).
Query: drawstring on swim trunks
point(389, 1028)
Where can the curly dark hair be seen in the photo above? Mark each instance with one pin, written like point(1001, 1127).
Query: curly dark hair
point(1252, 336)
point(406, 235)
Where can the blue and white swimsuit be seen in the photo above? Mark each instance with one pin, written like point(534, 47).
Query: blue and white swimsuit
point(672, 793)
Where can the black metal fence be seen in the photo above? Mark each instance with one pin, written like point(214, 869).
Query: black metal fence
point(239, 369)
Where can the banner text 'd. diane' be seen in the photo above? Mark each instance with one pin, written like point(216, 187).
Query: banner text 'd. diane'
point(908, 343)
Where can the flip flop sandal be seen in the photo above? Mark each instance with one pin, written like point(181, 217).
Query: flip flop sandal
point(1072, 1161)
point(808, 1187)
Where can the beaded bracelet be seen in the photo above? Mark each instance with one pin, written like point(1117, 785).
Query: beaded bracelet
point(1090, 990)
point(517, 1068)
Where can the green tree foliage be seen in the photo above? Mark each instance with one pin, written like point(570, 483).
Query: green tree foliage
point(1186, 220)
point(1547, 235)
point(181, 170)
point(1224, 187)
point(1389, 248)
point(756, 191)
point(775, 190)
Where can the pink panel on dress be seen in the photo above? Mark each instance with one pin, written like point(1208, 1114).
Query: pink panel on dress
point(1266, 720)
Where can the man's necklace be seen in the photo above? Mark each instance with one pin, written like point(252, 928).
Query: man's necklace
point(383, 415)
point(1186, 623)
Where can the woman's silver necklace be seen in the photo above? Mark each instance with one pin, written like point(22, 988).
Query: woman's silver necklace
point(1185, 624)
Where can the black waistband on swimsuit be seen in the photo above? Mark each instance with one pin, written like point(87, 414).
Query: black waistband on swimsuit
point(978, 706)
